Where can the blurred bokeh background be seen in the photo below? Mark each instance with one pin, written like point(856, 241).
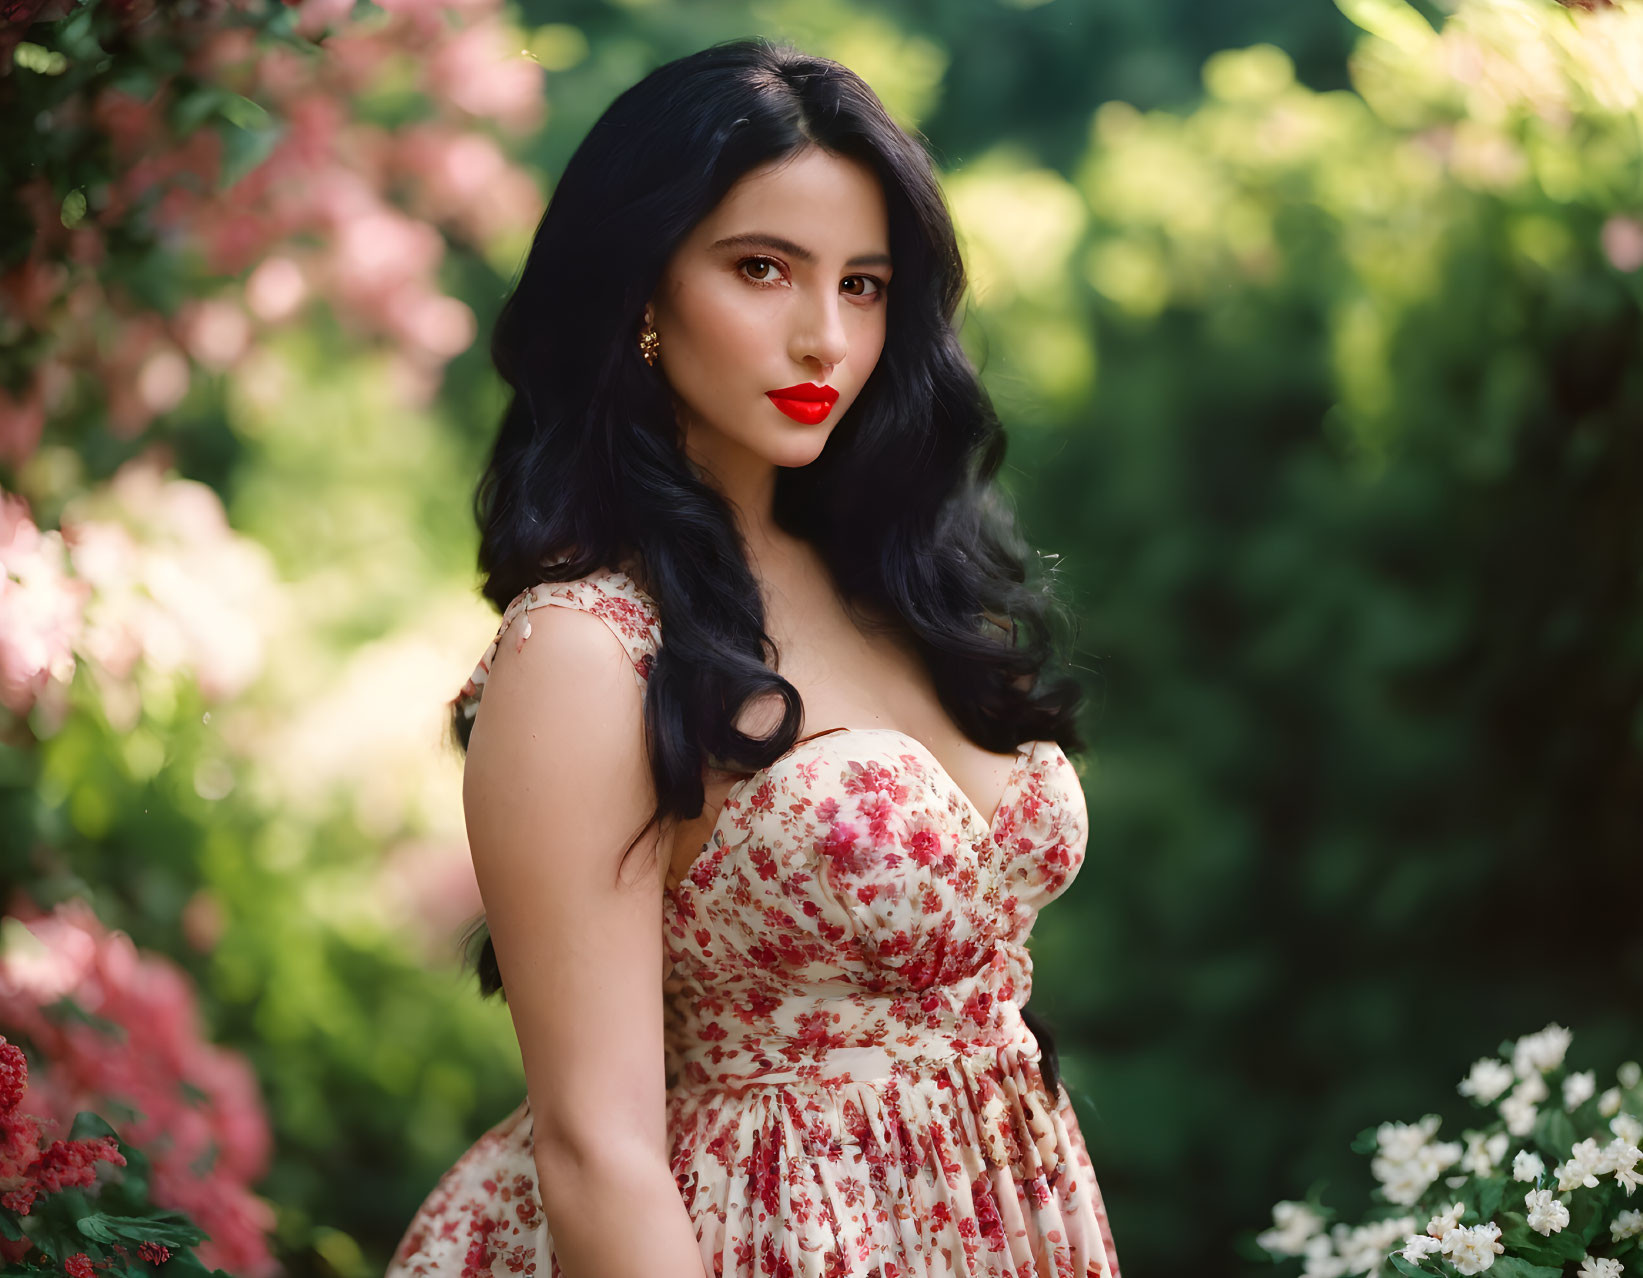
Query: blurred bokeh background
point(1318, 331)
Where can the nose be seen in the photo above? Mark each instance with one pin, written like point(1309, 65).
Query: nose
point(819, 336)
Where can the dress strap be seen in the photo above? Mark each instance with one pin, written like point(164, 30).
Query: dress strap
point(611, 595)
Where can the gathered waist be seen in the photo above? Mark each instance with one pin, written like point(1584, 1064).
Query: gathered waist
point(729, 1039)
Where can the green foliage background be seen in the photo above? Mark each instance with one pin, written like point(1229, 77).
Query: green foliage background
point(1335, 433)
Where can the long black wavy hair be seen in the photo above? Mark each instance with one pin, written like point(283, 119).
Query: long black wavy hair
point(902, 504)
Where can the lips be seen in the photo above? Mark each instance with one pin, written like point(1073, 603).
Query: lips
point(806, 402)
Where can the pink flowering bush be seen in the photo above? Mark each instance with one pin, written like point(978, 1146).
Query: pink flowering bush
point(145, 569)
point(238, 177)
point(41, 612)
point(48, 1223)
point(114, 1031)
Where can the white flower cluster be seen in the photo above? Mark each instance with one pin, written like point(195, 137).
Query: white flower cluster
point(1409, 1161)
point(1588, 1160)
point(1298, 1230)
point(1293, 1224)
point(1547, 1214)
point(1487, 1081)
point(1542, 1052)
point(1533, 1057)
point(1469, 1248)
point(1360, 1249)
point(1484, 1152)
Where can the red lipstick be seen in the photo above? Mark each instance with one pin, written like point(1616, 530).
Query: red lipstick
point(806, 402)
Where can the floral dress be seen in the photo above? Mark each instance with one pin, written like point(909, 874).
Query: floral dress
point(851, 1088)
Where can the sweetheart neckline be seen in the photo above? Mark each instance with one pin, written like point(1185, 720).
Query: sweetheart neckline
point(845, 729)
point(1023, 754)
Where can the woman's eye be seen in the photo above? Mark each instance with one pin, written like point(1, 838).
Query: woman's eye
point(877, 285)
point(761, 264)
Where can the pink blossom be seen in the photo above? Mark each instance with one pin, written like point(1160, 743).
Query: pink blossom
point(44, 206)
point(27, 1171)
point(377, 249)
point(435, 8)
point(323, 211)
point(172, 583)
point(206, 1153)
point(203, 920)
point(439, 325)
point(276, 289)
point(482, 72)
point(22, 421)
point(315, 17)
point(14, 1075)
point(223, 50)
point(131, 124)
point(72, 1164)
point(40, 609)
point(464, 180)
point(1623, 242)
point(215, 331)
point(31, 288)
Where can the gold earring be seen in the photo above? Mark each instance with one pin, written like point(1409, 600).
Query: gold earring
point(650, 341)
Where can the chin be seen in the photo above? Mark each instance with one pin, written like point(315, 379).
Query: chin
point(800, 448)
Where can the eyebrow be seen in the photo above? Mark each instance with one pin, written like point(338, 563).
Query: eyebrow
point(761, 239)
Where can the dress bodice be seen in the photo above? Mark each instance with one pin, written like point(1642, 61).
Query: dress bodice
point(852, 909)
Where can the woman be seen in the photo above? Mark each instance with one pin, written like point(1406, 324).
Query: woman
point(742, 508)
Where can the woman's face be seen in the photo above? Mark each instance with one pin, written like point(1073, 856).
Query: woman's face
point(782, 287)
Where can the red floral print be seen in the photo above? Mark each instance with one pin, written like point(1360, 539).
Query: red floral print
point(851, 1087)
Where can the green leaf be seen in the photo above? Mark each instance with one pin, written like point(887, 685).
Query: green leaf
point(90, 1126)
point(74, 208)
point(78, 35)
point(1566, 1244)
point(56, 1239)
point(245, 148)
point(1489, 1194)
point(1554, 1133)
point(9, 1228)
point(1365, 1142)
point(1534, 1247)
point(1394, 21)
point(184, 1264)
point(65, 1008)
point(243, 113)
point(1590, 1212)
point(1514, 1229)
point(197, 106)
point(1409, 1267)
point(169, 1227)
point(1516, 1267)
point(134, 78)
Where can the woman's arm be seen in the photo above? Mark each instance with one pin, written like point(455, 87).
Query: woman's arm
point(556, 784)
